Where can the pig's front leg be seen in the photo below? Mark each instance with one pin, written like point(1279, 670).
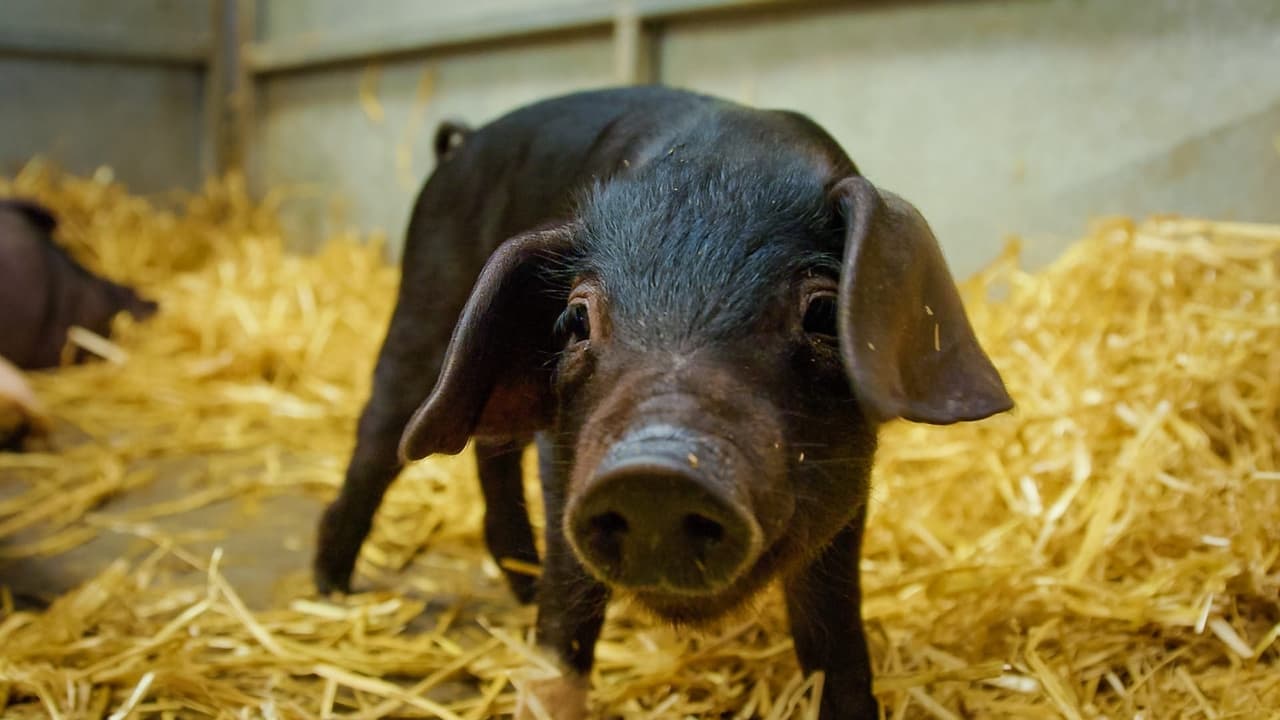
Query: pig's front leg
point(824, 605)
point(506, 516)
point(571, 608)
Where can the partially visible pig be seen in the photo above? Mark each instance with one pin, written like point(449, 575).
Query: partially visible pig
point(704, 313)
point(43, 291)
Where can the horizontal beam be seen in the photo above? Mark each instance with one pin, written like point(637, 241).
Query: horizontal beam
point(317, 49)
point(147, 49)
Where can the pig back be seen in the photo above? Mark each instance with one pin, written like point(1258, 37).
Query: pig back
point(526, 169)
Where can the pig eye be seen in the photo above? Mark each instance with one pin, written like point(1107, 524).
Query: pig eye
point(820, 315)
point(574, 324)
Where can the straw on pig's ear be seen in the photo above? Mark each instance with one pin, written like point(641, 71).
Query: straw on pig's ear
point(906, 342)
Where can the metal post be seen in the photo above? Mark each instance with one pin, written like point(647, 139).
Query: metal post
point(633, 46)
point(243, 89)
point(228, 89)
point(215, 81)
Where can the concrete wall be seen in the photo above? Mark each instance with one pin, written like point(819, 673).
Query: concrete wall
point(141, 118)
point(139, 18)
point(320, 19)
point(1026, 117)
point(343, 162)
point(995, 117)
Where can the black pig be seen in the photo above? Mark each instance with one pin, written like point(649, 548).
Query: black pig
point(703, 313)
point(43, 291)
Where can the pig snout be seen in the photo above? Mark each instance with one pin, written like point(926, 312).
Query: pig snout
point(139, 307)
point(662, 512)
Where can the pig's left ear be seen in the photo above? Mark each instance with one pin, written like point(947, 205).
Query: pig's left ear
point(496, 377)
point(905, 340)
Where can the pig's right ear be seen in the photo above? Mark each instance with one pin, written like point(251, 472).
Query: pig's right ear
point(496, 378)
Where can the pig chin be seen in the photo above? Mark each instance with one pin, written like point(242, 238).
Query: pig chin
point(713, 606)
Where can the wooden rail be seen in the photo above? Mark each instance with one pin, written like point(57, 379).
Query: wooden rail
point(317, 50)
point(156, 49)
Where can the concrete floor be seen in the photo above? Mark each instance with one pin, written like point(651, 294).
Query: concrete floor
point(267, 544)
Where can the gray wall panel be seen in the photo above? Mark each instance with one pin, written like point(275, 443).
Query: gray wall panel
point(321, 18)
point(107, 17)
point(144, 122)
point(340, 166)
point(994, 116)
point(1025, 117)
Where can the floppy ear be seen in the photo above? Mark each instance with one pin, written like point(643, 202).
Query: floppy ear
point(496, 379)
point(905, 340)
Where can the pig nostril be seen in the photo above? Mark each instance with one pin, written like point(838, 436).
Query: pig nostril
point(609, 524)
point(702, 529)
point(607, 534)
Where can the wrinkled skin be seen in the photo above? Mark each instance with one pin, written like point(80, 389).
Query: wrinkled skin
point(703, 313)
point(769, 415)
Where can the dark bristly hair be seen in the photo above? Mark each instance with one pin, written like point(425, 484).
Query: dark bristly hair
point(692, 243)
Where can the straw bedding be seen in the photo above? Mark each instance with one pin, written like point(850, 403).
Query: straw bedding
point(1112, 548)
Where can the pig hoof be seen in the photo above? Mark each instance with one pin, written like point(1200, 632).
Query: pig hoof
point(336, 552)
point(329, 576)
point(326, 585)
point(558, 698)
